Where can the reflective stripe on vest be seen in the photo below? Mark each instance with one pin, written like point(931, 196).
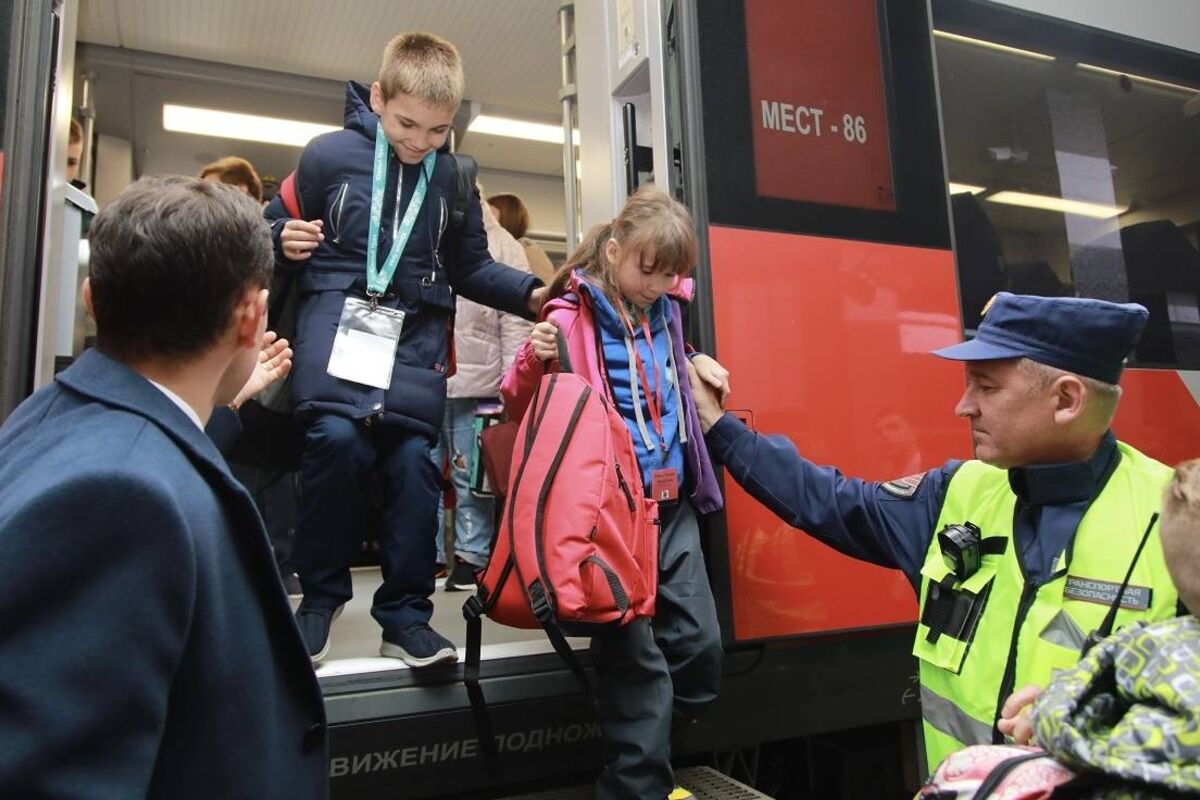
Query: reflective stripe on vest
point(962, 670)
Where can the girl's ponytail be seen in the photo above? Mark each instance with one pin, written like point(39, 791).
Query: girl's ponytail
point(588, 256)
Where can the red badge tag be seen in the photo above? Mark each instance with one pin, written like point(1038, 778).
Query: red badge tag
point(664, 485)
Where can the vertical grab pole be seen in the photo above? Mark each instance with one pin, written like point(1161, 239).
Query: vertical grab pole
point(567, 95)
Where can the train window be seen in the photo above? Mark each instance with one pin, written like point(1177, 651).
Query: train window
point(1072, 157)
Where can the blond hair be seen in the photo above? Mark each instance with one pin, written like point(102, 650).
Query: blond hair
point(234, 171)
point(650, 222)
point(1180, 532)
point(425, 66)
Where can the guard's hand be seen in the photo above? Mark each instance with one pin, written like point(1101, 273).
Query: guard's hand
point(544, 339)
point(1015, 721)
point(299, 238)
point(708, 406)
point(712, 373)
point(537, 298)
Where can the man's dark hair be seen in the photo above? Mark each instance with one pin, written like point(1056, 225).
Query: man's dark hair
point(169, 259)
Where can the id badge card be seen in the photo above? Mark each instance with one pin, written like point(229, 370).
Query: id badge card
point(364, 347)
point(664, 485)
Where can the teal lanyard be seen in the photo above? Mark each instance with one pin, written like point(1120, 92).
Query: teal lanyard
point(379, 279)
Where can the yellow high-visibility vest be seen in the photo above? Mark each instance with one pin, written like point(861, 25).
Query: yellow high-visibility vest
point(998, 632)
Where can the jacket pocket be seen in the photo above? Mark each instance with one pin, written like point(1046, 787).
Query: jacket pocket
point(950, 615)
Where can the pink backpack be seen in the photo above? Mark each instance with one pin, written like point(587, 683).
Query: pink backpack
point(996, 772)
point(576, 550)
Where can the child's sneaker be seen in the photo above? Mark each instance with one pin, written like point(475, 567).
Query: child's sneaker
point(314, 624)
point(462, 577)
point(419, 645)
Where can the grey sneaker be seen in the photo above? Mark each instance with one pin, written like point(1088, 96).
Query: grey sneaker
point(314, 624)
point(419, 645)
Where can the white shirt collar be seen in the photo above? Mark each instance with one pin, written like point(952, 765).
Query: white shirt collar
point(179, 401)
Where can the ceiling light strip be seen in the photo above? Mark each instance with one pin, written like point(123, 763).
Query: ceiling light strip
point(1059, 204)
point(1139, 78)
point(1003, 48)
point(243, 127)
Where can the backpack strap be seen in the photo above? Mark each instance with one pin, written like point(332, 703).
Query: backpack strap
point(466, 173)
point(291, 197)
point(473, 611)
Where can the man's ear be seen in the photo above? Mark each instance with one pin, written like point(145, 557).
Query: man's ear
point(87, 297)
point(250, 317)
point(377, 98)
point(1070, 398)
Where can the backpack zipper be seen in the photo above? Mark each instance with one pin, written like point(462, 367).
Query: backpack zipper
point(625, 487)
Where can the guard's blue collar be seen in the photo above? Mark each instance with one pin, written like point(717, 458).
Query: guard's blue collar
point(1073, 482)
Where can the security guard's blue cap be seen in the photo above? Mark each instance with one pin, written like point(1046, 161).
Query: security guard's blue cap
point(1076, 334)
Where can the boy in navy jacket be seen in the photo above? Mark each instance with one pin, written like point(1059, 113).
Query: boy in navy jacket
point(375, 239)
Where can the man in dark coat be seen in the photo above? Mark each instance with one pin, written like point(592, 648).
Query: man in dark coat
point(149, 649)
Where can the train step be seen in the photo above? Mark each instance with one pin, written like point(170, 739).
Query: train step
point(703, 783)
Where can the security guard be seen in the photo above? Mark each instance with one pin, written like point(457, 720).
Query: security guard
point(1017, 556)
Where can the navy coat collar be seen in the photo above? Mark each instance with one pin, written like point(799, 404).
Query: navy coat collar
point(115, 384)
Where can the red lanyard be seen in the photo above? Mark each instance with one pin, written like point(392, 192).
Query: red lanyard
point(653, 398)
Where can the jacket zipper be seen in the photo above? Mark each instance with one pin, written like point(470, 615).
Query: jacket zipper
point(338, 206)
point(1028, 594)
point(437, 245)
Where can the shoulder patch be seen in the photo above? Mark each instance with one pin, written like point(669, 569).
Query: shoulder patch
point(904, 487)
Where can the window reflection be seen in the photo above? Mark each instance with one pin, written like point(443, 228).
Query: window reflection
point(1070, 178)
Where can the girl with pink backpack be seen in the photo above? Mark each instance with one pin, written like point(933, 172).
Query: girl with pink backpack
point(617, 305)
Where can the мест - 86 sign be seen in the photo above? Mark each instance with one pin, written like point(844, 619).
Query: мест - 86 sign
point(818, 102)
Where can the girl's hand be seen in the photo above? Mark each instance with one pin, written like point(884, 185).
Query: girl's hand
point(712, 373)
point(1014, 721)
point(544, 339)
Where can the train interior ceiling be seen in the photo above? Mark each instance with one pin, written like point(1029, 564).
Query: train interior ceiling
point(250, 57)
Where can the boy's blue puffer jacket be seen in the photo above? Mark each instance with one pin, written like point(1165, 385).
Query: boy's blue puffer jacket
point(333, 182)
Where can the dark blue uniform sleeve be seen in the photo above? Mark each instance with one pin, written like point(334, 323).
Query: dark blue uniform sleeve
point(477, 276)
point(859, 518)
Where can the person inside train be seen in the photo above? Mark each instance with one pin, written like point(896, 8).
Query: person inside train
point(75, 154)
point(514, 217)
point(1015, 554)
point(261, 440)
point(149, 649)
point(485, 343)
point(237, 172)
point(379, 260)
point(624, 290)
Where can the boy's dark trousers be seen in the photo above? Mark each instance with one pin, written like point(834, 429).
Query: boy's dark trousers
point(340, 455)
point(653, 670)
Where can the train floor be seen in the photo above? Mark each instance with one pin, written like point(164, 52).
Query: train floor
point(356, 636)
